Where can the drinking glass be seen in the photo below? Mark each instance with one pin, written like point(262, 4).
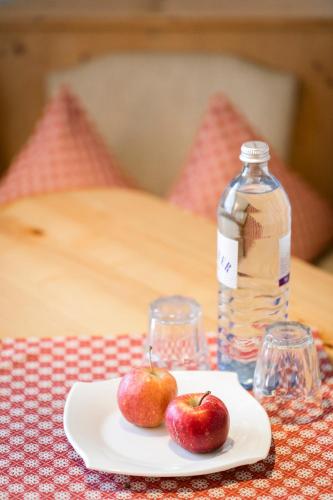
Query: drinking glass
point(287, 372)
point(176, 334)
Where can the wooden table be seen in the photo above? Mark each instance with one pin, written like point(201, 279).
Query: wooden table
point(89, 262)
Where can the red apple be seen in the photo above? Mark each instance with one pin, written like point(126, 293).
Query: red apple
point(198, 422)
point(144, 394)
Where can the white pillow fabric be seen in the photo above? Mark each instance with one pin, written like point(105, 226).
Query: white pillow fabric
point(149, 106)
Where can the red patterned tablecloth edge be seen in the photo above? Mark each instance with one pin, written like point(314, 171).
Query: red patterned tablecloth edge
point(37, 461)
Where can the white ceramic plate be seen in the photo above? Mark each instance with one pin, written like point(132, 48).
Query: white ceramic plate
point(107, 442)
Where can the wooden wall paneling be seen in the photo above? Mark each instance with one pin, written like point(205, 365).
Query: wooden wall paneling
point(31, 47)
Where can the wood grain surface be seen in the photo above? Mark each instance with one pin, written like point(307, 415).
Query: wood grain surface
point(90, 262)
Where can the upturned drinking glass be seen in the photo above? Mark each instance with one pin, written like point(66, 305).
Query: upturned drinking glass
point(287, 372)
point(176, 334)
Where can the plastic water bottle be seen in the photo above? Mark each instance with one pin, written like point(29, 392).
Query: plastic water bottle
point(253, 261)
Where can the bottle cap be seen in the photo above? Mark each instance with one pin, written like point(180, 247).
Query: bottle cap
point(254, 152)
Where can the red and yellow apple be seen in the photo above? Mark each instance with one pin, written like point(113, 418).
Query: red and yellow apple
point(144, 394)
point(199, 422)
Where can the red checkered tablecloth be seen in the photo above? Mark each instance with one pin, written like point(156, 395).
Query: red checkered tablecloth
point(37, 461)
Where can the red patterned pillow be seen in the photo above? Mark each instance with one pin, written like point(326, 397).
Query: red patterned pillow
point(64, 152)
point(213, 162)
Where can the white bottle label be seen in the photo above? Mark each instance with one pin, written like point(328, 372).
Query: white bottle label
point(284, 248)
point(227, 260)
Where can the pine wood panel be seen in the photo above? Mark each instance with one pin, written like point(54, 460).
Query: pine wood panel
point(90, 262)
point(37, 37)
